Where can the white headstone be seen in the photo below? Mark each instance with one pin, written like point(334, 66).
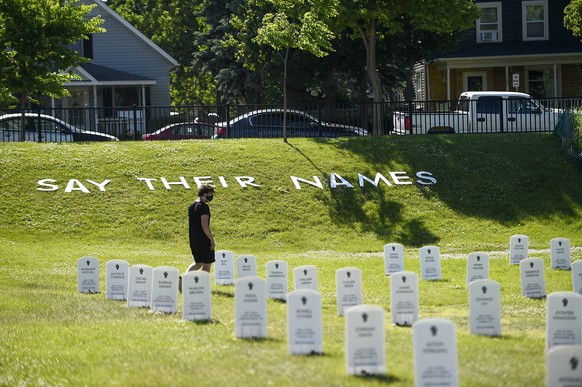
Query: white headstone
point(404, 298)
point(477, 266)
point(277, 280)
point(430, 263)
point(246, 266)
point(348, 285)
point(518, 249)
point(250, 307)
point(224, 267)
point(435, 353)
point(88, 275)
point(564, 366)
point(485, 307)
point(305, 277)
point(196, 296)
point(533, 280)
point(365, 340)
point(304, 322)
point(564, 319)
point(577, 276)
point(393, 258)
point(139, 286)
point(560, 252)
point(116, 272)
point(165, 290)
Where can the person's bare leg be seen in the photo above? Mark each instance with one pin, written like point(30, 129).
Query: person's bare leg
point(194, 267)
point(206, 267)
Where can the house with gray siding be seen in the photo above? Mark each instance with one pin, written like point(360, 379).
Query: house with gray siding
point(127, 73)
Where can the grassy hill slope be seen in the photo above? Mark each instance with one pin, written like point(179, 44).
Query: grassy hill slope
point(487, 188)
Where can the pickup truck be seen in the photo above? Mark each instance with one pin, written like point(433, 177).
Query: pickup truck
point(481, 112)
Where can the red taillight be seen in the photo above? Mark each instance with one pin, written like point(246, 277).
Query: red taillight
point(219, 131)
point(407, 123)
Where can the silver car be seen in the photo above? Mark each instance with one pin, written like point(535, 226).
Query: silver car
point(45, 128)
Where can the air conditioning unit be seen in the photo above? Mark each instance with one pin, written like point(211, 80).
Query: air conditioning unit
point(488, 36)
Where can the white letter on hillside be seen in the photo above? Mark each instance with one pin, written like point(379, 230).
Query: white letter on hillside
point(148, 182)
point(100, 185)
point(45, 182)
point(426, 176)
point(333, 181)
point(243, 181)
point(76, 185)
point(400, 180)
point(202, 180)
point(222, 181)
point(379, 177)
point(168, 184)
point(316, 183)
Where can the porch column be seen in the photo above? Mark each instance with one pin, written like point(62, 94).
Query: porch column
point(96, 113)
point(448, 83)
point(555, 80)
point(507, 78)
point(426, 82)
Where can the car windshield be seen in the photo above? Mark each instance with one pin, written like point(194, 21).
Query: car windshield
point(464, 103)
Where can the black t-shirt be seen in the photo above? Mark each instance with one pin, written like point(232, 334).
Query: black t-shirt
point(196, 233)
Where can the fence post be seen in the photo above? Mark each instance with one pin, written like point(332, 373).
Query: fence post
point(410, 116)
point(134, 121)
point(318, 119)
point(227, 113)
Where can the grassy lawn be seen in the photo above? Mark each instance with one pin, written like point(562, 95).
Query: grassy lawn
point(488, 188)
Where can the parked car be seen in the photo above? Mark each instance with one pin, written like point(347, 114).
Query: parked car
point(45, 128)
point(185, 131)
point(482, 112)
point(269, 123)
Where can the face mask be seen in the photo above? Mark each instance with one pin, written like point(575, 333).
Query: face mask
point(209, 198)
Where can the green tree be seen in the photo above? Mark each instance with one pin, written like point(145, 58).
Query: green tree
point(36, 38)
point(374, 20)
point(573, 17)
point(293, 24)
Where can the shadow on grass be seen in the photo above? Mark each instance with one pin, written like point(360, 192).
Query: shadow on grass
point(519, 174)
point(380, 215)
point(259, 339)
point(204, 322)
point(223, 293)
point(385, 379)
point(501, 177)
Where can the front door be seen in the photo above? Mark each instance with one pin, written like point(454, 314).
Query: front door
point(475, 81)
point(78, 107)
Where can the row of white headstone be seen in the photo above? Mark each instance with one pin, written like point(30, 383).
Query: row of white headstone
point(365, 352)
point(531, 269)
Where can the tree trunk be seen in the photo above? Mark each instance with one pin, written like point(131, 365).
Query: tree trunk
point(285, 94)
point(369, 39)
point(23, 101)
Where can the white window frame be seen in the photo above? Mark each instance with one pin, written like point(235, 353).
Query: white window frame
point(480, 36)
point(469, 74)
point(524, 5)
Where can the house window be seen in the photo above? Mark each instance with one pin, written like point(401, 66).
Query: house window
point(535, 20)
point(489, 24)
point(88, 47)
point(540, 81)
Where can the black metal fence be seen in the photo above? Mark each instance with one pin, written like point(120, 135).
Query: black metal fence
point(306, 120)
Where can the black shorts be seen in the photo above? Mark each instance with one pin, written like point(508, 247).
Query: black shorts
point(202, 255)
